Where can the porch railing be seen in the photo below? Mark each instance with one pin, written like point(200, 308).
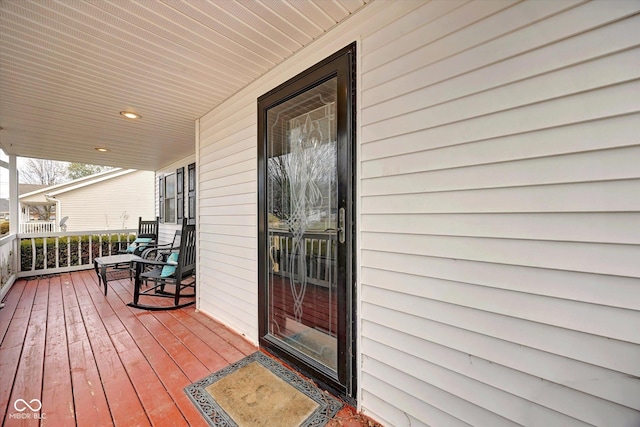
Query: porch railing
point(37, 227)
point(8, 263)
point(319, 261)
point(49, 253)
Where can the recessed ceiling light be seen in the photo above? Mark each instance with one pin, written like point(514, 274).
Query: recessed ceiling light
point(101, 149)
point(130, 115)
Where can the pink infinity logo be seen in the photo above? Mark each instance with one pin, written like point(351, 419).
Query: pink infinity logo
point(35, 408)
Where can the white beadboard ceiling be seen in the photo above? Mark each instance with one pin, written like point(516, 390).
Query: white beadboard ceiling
point(68, 67)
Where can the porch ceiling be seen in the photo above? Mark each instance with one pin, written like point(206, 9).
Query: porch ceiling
point(68, 67)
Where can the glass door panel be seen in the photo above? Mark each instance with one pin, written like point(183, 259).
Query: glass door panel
point(303, 214)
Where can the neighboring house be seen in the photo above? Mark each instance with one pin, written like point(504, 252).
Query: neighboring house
point(495, 276)
point(109, 200)
point(4, 209)
point(29, 188)
point(22, 189)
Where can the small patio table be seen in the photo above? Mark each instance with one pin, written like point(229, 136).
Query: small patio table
point(106, 268)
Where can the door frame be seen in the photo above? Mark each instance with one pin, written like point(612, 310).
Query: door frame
point(342, 65)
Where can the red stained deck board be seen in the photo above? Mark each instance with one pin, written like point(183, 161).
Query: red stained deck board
point(124, 405)
point(224, 347)
point(12, 343)
point(172, 379)
point(207, 355)
point(57, 393)
point(11, 303)
point(166, 369)
point(20, 319)
point(188, 362)
point(72, 313)
point(233, 338)
point(28, 378)
point(91, 405)
point(90, 401)
point(154, 397)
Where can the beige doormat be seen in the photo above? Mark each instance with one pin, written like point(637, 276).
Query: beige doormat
point(257, 391)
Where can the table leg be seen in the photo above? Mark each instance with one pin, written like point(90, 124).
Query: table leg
point(137, 283)
point(95, 266)
point(103, 272)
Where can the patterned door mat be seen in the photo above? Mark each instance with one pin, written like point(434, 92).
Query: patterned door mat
point(257, 391)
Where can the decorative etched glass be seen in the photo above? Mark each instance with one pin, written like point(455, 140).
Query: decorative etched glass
point(302, 209)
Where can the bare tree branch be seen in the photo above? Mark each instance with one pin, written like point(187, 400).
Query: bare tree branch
point(44, 172)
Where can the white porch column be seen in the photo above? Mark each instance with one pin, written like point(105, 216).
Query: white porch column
point(14, 204)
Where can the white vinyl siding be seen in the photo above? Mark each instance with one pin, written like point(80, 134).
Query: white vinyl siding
point(499, 215)
point(498, 211)
point(228, 219)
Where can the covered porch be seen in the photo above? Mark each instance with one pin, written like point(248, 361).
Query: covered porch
point(92, 360)
point(486, 208)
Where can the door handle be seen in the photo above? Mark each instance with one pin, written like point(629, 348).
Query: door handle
point(341, 227)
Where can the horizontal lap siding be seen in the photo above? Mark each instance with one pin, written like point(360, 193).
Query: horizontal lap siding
point(227, 215)
point(499, 215)
point(112, 204)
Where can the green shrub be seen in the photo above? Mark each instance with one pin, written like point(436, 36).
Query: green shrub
point(4, 227)
point(70, 250)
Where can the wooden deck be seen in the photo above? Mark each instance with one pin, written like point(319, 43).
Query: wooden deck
point(92, 360)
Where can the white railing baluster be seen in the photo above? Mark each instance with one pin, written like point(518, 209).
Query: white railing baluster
point(9, 253)
point(33, 253)
point(37, 227)
point(319, 257)
point(44, 252)
point(318, 260)
point(92, 237)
